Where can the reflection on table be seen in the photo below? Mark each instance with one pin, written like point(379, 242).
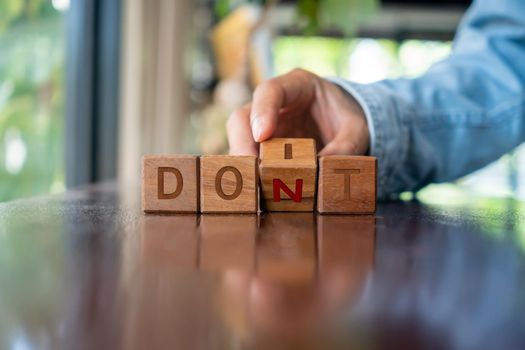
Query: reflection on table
point(277, 279)
point(88, 270)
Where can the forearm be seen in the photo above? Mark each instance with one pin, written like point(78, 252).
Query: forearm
point(463, 114)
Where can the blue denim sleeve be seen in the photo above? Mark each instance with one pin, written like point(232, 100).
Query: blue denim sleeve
point(464, 113)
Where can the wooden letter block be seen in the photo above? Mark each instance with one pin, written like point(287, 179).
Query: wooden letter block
point(229, 184)
point(288, 169)
point(170, 184)
point(347, 185)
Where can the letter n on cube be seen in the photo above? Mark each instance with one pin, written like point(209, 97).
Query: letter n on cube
point(288, 170)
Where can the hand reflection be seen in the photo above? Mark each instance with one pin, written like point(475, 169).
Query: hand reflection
point(299, 288)
point(283, 277)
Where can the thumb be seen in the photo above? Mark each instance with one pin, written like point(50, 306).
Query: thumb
point(338, 147)
point(352, 139)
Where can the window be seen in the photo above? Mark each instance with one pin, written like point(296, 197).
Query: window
point(361, 60)
point(32, 42)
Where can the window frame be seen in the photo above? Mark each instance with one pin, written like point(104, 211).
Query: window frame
point(92, 90)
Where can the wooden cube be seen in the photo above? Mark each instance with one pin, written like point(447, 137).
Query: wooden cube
point(229, 184)
point(170, 184)
point(288, 170)
point(347, 185)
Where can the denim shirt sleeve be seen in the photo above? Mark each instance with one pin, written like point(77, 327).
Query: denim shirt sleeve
point(464, 113)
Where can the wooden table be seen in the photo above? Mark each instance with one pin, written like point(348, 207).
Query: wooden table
point(87, 270)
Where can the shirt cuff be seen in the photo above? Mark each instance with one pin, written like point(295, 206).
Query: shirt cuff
point(389, 139)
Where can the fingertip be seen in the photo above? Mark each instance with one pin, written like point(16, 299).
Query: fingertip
point(262, 129)
point(335, 148)
point(328, 150)
point(267, 101)
point(238, 128)
point(257, 128)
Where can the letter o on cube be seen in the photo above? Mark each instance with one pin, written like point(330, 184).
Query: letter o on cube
point(228, 184)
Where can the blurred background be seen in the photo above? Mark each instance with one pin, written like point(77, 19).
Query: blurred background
point(89, 86)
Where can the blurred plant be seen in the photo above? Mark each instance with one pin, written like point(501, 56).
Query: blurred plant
point(13, 11)
point(316, 15)
point(31, 98)
point(224, 7)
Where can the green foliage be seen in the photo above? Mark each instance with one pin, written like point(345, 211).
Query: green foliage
point(21, 11)
point(317, 15)
point(344, 15)
point(308, 14)
point(9, 11)
point(224, 7)
point(324, 56)
point(31, 95)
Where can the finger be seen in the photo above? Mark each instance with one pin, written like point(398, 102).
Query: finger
point(352, 139)
point(239, 132)
point(289, 90)
point(337, 147)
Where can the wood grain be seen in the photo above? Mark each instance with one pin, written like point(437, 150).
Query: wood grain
point(290, 260)
point(347, 185)
point(229, 184)
point(170, 184)
point(227, 242)
point(345, 251)
point(288, 160)
point(169, 241)
point(346, 243)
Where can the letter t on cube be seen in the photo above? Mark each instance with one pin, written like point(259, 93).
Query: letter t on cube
point(347, 185)
point(288, 170)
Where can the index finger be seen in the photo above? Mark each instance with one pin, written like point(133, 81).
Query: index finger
point(295, 88)
point(240, 133)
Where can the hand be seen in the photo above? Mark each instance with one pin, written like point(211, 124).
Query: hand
point(300, 104)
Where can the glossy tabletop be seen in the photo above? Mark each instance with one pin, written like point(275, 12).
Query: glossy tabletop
point(88, 270)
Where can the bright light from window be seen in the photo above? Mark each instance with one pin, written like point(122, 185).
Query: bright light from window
point(20, 342)
point(15, 151)
point(417, 56)
point(61, 5)
point(369, 62)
